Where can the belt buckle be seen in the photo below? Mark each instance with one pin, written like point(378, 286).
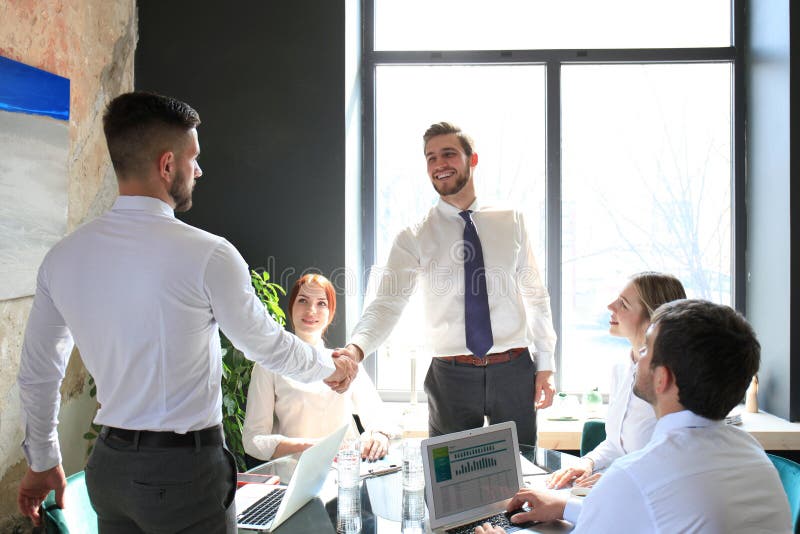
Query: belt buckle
point(483, 362)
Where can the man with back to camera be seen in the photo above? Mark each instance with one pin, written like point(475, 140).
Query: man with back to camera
point(487, 310)
point(143, 295)
point(696, 474)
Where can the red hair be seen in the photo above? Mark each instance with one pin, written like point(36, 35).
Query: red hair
point(321, 281)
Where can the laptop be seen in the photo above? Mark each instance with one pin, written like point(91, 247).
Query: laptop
point(470, 477)
point(262, 507)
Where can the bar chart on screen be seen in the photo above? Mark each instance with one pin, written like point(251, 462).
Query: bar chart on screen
point(474, 473)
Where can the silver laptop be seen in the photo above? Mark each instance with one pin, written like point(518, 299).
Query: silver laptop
point(262, 507)
point(470, 476)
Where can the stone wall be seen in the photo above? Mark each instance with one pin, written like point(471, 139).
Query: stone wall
point(91, 42)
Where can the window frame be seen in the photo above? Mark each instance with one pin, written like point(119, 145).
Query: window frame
point(553, 59)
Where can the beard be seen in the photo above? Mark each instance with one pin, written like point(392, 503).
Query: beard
point(181, 192)
point(644, 393)
point(461, 179)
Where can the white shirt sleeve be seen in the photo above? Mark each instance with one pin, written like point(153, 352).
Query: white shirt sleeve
point(536, 300)
point(45, 353)
point(243, 318)
point(615, 505)
point(397, 282)
point(259, 419)
point(608, 450)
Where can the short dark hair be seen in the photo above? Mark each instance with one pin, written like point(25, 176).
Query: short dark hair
point(710, 349)
point(140, 123)
point(445, 128)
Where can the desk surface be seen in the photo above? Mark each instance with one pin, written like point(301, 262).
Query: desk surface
point(381, 499)
point(773, 433)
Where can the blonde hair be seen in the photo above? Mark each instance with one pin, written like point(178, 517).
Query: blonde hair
point(655, 289)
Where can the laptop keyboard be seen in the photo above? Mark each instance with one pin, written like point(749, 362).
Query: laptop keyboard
point(499, 520)
point(263, 510)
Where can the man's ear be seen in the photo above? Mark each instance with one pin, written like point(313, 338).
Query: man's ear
point(166, 164)
point(473, 160)
point(663, 379)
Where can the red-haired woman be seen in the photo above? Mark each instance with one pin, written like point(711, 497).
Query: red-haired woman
point(285, 416)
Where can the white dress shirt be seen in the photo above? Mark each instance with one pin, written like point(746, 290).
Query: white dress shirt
point(280, 408)
point(431, 254)
point(695, 476)
point(144, 295)
point(630, 420)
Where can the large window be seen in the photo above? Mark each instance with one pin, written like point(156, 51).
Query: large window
point(615, 138)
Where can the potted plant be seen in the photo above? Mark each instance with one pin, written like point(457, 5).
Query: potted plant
point(236, 369)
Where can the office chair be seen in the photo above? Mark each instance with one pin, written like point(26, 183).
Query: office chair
point(592, 434)
point(789, 472)
point(78, 517)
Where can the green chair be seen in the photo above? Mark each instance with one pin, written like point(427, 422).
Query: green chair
point(789, 472)
point(592, 434)
point(78, 517)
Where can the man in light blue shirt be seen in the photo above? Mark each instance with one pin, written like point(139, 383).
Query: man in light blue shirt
point(697, 474)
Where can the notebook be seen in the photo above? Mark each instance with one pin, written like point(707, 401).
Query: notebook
point(470, 476)
point(262, 507)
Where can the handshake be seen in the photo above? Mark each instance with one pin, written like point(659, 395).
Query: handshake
point(346, 361)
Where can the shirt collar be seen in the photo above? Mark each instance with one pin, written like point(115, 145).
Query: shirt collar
point(137, 203)
point(682, 419)
point(450, 210)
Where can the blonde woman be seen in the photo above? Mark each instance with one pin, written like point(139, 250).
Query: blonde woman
point(630, 420)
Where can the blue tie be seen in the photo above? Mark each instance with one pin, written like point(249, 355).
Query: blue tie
point(477, 325)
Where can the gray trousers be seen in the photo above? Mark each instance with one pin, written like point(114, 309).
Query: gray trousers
point(137, 489)
point(461, 395)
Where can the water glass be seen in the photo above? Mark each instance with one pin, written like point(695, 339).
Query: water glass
point(413, 519)
point(348, 510)
point(413, 478)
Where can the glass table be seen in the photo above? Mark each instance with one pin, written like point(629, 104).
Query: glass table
point(382, 496)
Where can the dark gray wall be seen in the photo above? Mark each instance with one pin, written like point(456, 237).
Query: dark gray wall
point(771, 232)
point(267, 78)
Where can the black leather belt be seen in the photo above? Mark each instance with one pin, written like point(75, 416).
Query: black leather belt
point(148, 438)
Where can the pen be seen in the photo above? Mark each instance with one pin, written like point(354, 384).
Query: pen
point(381, 471)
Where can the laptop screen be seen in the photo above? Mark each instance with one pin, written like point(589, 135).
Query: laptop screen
point(471, 471)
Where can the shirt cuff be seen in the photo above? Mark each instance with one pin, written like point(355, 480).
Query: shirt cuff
point(545, 361)
point(42, 458)
point(363, 344)
point(573, 509)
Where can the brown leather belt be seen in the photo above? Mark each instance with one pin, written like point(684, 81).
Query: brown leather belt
point(489, 359)
point(149, 438)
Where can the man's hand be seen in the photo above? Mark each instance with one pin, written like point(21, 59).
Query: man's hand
point(488, 528)
point(543, 389)
point(34, 487)
point(345, 373)
point(541, 505)
point(569, 475)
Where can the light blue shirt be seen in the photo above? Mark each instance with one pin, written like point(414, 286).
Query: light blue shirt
point(694, 476)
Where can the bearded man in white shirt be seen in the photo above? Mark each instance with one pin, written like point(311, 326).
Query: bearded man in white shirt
point(697, 474)
point(498, 362)
point(143, 296)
